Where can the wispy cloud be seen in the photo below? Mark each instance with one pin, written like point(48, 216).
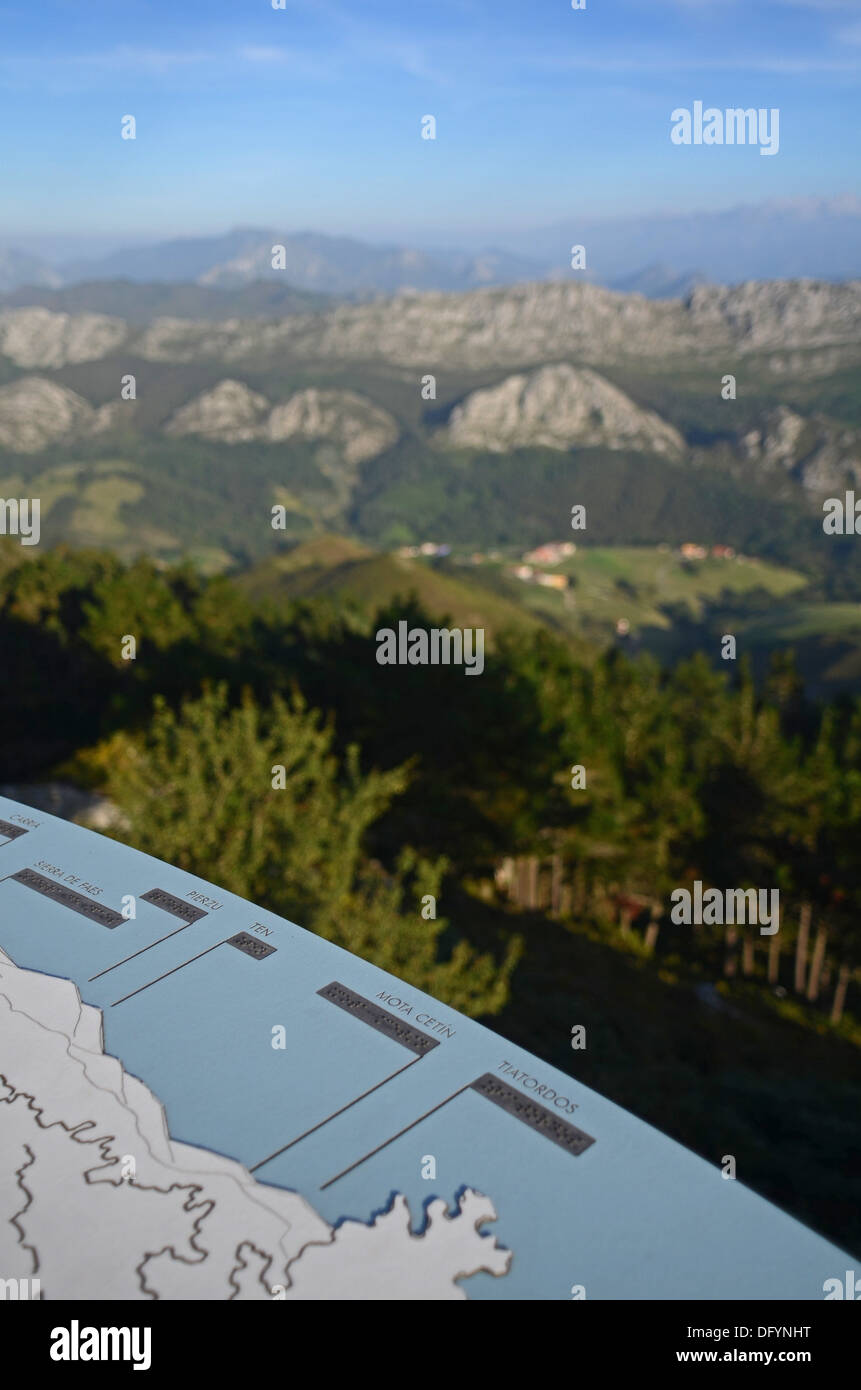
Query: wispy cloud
point(666, 63)
point(834, 6)
point(67, 71)
point(379, 43)
point(762, 6)
point(299, 62)
point(129, 56)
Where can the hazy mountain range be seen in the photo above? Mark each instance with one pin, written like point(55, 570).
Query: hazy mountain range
point(470, 419)
point(660, 257)
point(810, 238)
point(326, 407)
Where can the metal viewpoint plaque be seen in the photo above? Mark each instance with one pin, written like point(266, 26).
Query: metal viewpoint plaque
point(378, 1018)
point(328, 1077)
point(67, 897)
point(175, 906)
point(529, 1112)
point(11, 832)
point(251, 945)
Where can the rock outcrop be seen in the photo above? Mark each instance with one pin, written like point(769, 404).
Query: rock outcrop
point(358, 428)
point(35, 412)
point(40, 338)
point(231, 412)
point(559, 407)
point(819, 454)
point(519, 326)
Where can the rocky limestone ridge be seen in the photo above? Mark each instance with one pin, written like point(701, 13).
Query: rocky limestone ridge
point(777, 439)
point(231, 412)
point(821, 456)
point(518, 326)
point(533, 323)
point(775, 314)
point(524, 324)
point(40, 338)
point(559, 407)
point(360, 429)
point(35, 412)
point(834, 464)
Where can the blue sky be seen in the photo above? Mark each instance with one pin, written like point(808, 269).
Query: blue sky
point(309, 117)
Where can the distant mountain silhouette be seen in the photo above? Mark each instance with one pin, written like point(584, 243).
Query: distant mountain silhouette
point(332, 265)
point(661, 256)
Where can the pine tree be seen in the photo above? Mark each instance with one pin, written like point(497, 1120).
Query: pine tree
point(256, 800)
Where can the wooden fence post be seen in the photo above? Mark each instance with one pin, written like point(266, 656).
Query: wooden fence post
point(555, 885)
point(816, 963)
point(801, 947)
point(747, 955)
point(730, 963)
point(843, 976)
point(774, 959)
